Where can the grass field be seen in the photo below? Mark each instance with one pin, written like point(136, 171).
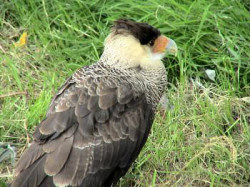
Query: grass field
point(202, 139)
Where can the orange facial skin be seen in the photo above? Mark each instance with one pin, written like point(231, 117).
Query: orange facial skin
point(160, 44)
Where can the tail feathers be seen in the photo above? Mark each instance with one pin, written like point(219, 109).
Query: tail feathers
point(33, 153)
point(34, 175)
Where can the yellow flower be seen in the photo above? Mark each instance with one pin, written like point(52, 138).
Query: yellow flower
point(22, 40)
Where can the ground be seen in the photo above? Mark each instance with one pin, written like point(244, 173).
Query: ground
point(201, 139)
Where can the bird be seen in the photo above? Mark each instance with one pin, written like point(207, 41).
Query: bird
point(99, 120)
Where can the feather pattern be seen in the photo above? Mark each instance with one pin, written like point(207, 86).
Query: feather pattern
point(56, 159)
point(88, 129)
point(32, 176)
point(29, 157)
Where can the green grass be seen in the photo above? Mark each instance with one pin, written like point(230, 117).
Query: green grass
point(203, 140)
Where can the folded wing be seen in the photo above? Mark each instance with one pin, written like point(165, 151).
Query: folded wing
point(92, 133)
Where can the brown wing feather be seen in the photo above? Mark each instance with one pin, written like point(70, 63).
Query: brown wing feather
point(91, 135)
point(33, 175)
point(29, 157)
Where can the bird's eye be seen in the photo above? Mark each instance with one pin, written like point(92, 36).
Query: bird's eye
point(151, 43)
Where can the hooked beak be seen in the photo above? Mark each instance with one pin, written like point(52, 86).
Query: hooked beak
point(171, 47)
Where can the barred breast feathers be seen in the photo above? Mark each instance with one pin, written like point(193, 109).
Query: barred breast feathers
point(151, 82)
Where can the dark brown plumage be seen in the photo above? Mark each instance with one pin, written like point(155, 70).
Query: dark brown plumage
point(144, 32)
point(100, 118)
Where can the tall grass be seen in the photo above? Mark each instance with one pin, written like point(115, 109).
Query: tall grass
point(201, 140)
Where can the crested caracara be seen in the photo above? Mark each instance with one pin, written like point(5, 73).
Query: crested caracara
point(99, 120)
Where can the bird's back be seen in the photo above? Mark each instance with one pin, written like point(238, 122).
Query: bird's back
point(93, 131)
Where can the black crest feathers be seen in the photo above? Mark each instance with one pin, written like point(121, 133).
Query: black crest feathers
point(144, 32)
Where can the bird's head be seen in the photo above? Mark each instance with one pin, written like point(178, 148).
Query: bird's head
point(131, 44)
